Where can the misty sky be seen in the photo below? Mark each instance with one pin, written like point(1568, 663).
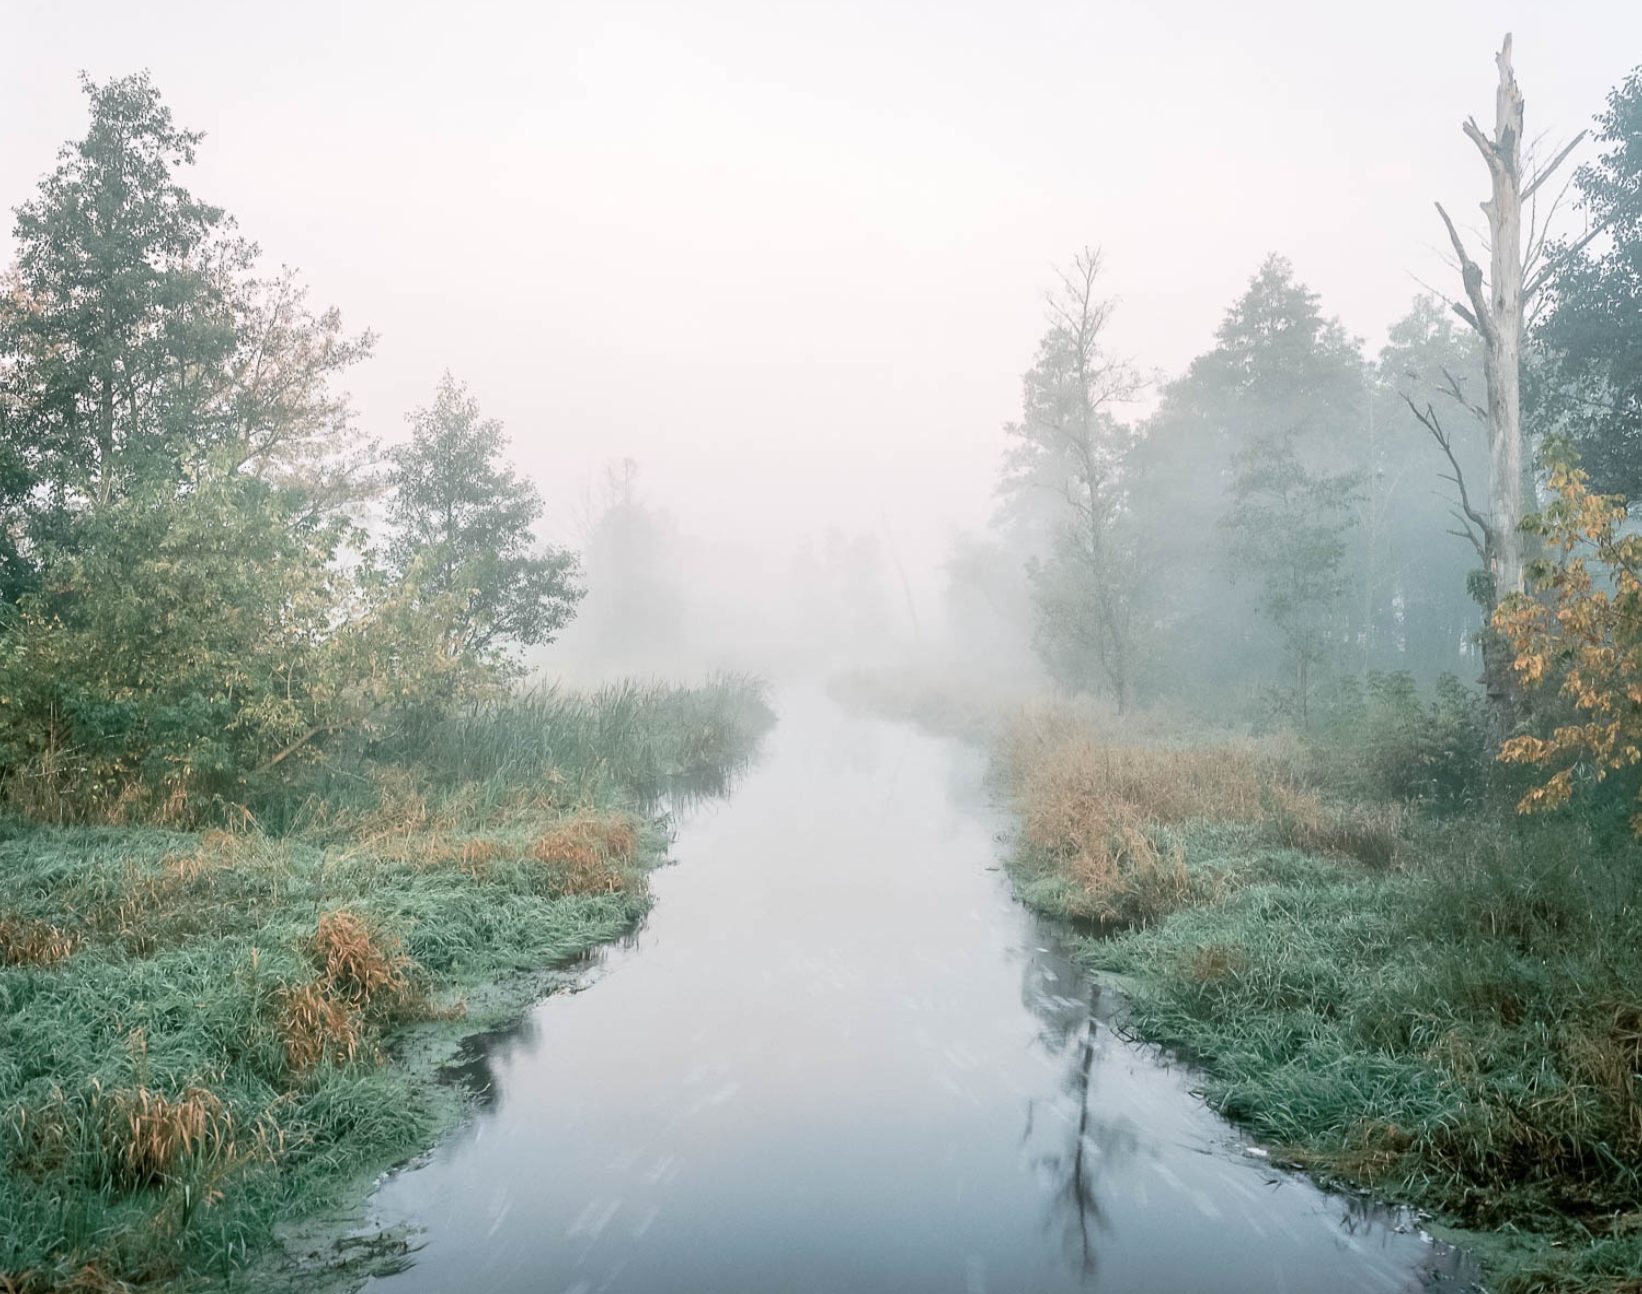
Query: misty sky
point(791, 257)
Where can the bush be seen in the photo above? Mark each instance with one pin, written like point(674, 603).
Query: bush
point(1377, 739)
point(188, 645)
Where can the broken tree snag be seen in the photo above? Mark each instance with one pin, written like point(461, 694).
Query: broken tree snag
point(1497, 313)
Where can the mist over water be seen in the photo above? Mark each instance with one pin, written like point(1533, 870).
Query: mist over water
point(778, 1085)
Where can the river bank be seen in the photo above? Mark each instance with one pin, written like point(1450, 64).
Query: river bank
point(838, 1055)
point(1439, 1009)
point(209, 1036)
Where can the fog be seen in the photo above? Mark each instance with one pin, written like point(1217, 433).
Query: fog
point(790, 260)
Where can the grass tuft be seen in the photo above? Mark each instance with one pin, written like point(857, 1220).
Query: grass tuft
point(32, 943)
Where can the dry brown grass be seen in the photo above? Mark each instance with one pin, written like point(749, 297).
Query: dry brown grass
point(590, 853)
point(1606, 1056)
point(1212, 962)
point(150, 1135)
point(1374, 1148)
point(88, 1279)
point(362, 976)
point(1062, 767)
point(214, 849)
point(1091, 802)
point(1092, 807)
point(1370, 833)
point(32, 943)
point(317, 1027)
point(359, 964)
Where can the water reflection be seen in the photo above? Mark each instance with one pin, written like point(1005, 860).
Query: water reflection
point(839, 1057)
point(1085, 1142)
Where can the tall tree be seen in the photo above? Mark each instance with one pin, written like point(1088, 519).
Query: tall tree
point(462, 522)
point(136, 343)
point(120, 307)
point(1286, 532)
point(1070, 442)
point(634, 613)
point(1279, 368)
point(1589, 386)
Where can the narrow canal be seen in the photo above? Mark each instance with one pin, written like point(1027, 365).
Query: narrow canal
point(839, 1057)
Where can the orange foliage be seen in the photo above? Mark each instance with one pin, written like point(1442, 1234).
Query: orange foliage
point(1584, 632)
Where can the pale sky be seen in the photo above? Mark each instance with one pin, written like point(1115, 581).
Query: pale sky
point(791, 258)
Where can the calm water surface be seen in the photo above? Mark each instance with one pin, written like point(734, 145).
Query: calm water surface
point(838, 1057)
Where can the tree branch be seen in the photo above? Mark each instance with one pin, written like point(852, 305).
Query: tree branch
point(1471, 276)
point(1471, 517)
point(1546, 172)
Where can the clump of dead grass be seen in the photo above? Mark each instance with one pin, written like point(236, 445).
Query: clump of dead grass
point(360, 964)
point(590, 853)
point(317, 1027)
point(33, 943)
point(150, 1136)
point(362, 980)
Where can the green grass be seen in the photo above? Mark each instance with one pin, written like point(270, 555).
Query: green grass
point(1461, 1032)
point(185, 950)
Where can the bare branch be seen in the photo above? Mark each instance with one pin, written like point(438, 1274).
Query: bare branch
point(1546, 172)
point(1471, 275)
point(1484, 145)
point(1467, 515)
point(1456, 392)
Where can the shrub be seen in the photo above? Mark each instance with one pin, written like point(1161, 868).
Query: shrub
point(1379, 740)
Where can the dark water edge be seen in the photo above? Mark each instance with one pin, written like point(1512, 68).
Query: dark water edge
point(839, 1055)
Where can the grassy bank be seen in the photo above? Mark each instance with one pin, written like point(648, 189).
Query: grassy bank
point(1446, 1010)
point(205, 1034)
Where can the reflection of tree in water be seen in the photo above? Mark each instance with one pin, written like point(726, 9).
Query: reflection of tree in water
point(1053, 990)
point(680, 794)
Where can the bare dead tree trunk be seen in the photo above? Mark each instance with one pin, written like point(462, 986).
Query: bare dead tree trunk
point(1495, 311)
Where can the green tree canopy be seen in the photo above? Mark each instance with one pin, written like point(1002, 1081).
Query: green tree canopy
point(120, 305)
point(1589, 387)
point(462, 528)
point(136, 341)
